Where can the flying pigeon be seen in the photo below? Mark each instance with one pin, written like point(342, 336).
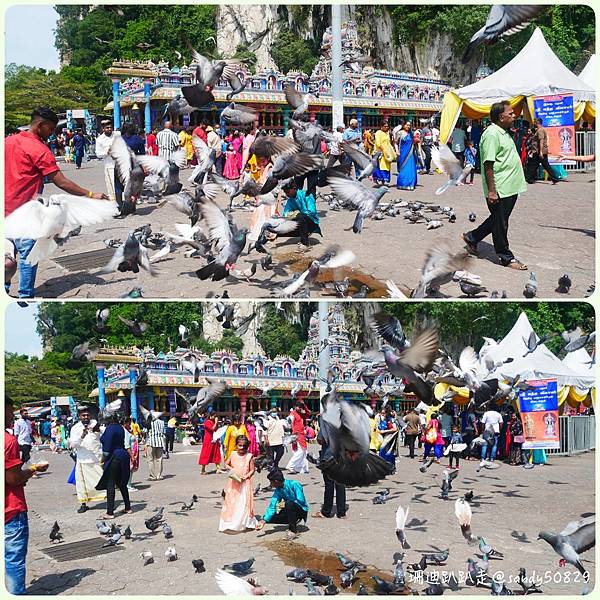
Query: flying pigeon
point(231, 585)
point(449, 164)
point(130, 257)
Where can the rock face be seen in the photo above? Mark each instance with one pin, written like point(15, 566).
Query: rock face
point(257, 27)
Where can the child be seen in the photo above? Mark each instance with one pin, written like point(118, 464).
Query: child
point(237, 513)
point(470, 159)
point(295, 507)
point(455, 447)
point(231, 170)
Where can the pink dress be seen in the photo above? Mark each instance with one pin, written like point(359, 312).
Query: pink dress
point(248, 141)
point(253, 449)
point(237, 513)
point(231, 170)
point(237, 146)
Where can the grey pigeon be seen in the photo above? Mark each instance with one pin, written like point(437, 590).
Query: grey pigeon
point(297, 100)
point(531, 286)
point(238, 114)
point(129, 257)
point(363, 161)
point(445, 160)
point(564, 284)
point(240, 568)
point(348, 577)
point(390, 329)
point(355, 193)
point(502, 20)
point(577, 537)
point(437, 557)
point(471, 290)
point(198, 565)
point(439, 267)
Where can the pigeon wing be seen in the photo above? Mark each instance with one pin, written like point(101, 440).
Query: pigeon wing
point(420, 355)
point(219, 232)
point(581, 534)
point(231, 585)
point(361, 159)
point(294, 98)
point(401, 517)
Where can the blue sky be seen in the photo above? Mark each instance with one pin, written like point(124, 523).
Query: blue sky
point(20, 333)
point(29, 36)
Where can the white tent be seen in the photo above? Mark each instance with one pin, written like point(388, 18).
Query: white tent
point(580, 362)
point(534, 71)
point(540, 364)
point(589, 75)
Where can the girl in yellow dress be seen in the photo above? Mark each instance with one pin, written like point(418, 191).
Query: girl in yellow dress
point(233, 431)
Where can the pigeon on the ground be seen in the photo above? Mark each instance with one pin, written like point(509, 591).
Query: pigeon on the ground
point(488, 550)
point(462, 510)
point(129, 257)
point(401, 516)
point(198, 565)
point(564, 284)
point(147, 557)
point(439, 267)
point(55, 535)
point(168, 532)
point(437, 557)
point(531, 286)
point(171, 553)
point(241, 568)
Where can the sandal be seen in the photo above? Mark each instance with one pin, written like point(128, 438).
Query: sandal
point(471, 247)
point(105, 517)
point(517, 265)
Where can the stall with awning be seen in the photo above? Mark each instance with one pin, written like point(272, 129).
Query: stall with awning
point(534, 71)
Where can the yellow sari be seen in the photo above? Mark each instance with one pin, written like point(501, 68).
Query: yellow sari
point(383, 144)
point(185, 139)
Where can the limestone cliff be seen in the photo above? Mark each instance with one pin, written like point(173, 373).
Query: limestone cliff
point(257, 27)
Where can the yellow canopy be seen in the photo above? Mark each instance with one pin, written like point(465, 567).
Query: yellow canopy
point(454, 106)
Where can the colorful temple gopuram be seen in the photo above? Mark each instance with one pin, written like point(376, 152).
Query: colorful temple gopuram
point(142, 89)
point(254, 382)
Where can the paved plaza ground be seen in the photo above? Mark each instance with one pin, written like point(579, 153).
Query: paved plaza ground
point(511, 505)
point(552, 230)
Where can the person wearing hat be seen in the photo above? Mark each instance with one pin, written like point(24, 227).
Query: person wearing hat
point(295, 508)
point(27, 161)
point(301, 207)
point(84, 439)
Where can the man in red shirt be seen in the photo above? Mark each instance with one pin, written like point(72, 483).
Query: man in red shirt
point(16, 525)
point(27, 161)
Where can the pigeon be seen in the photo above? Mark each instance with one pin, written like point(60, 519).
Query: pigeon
point(362, 292)
point(50, 220)
point(386, 588)
point(462, 510)
point(423, 468)
point(294, 165)
point(390, 329)
point(418, 567)
point(298, 575)
point(434, 589)
point(449, 164)
point(531, 286)
point(477, 573)
point(348, 577)
point(378, 499)
point(363, 161)
point(134, 326)
point(471, 290)
point(356, 194)
point(113, 540)
point(231, 585)
point(348, 428)
point(486, 549)
point(198, 565)
point(206, 396)
point(447, 477)
point(167, 531)
point(241, 568)
point(564, 284)
point(319, 578)
point(171, 553)
point(266, 146)
point(147, 556)
point(238, 115)
point(127, 533)
point(102, 315)
point(167, 170)
point(333, 258)
point(401, 516)
point(499, 589)
point(227, 240)
point(437, 557)
point(297, 100)
point(438, 269)
point(576, 339)
point(130, 172)
point(399, 575)
point(577, 537)
point(236, 85)
point(468, 497)
point(178, 106)
point(190, 504)
point(362, 590)
point(205, 157)
point(502, 20)
point(55, 535)
point(527, 586)
point(152, 525)
point(103, 528)
point(331, 590)
point(129, 257)
point(247, 187)
point(349, 563)
point(472, 217)
point(86, 351)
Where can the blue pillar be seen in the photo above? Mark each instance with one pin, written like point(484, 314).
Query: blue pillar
point(147, 113)
point(359, 117)
point(222, 126)
point(116, 106)
point(273, 401)
point(101, 393)
point(150, 392)
point(133, 398)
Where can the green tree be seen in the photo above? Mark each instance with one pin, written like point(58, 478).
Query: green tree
point(279, 336)
point(292, 53)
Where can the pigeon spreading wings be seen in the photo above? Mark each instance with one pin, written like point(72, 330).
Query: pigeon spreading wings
point(502, 20)
point(449, 164)
point(265, 146)
point(390, 329)
point(206, 396)
point(53, 218)
point(355, 193)
point(297, 100)
point(238, 114)
point(231, 585)
point(439, 267)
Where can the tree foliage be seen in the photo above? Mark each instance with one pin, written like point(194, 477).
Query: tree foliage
point(30, 379)
point(292, 53)
point(282, 335)
point(28, 87)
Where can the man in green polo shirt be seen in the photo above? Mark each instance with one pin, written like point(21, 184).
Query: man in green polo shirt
point(503, 181)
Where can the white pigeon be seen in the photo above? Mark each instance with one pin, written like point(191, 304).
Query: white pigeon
point(219, 433)
point(171, 553)
point(448, 163)
point(231, 585)
point(46, 220)
point(401, 517)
